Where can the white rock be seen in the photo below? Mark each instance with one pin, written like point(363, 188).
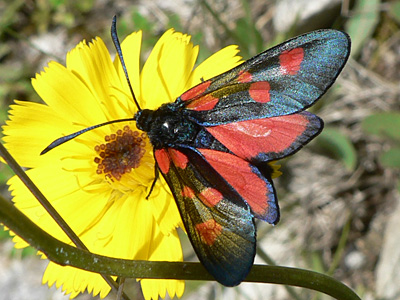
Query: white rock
point(387, 271)
point(290, 11)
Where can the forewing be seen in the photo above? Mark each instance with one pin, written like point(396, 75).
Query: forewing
point(282, 80)
point(263, 140)
point(218, 221)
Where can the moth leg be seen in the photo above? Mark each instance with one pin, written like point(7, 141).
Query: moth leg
point(156, 175)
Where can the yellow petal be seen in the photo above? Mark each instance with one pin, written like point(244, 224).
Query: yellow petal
point(167, 69)
point(164, 208)
point(167, 250)
point(92, 63)
point(67, 94)
point(77, 207)
point(124, 229)
point(218, 63)
point(131, 52)
point(42, 125)
point(75, 281)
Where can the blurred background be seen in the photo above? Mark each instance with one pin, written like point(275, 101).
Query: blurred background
point(339, 196)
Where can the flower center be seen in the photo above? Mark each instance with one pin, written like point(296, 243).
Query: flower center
point(121, 153)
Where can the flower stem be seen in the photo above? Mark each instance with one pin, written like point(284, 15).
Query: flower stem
point(265, 257)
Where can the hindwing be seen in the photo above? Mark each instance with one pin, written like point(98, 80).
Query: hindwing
point(214, 209)
point(268, 139)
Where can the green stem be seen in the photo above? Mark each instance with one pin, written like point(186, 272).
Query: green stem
point(256, 45)
point(50, 209)
point(265, 257)
point(64, 254)
point(341, 247)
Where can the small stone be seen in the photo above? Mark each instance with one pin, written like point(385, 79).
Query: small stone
point(355, 260)
point(387, 270)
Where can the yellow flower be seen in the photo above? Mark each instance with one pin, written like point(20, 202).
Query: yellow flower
point(102, 196)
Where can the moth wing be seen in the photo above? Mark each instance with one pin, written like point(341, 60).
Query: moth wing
point(285, 79)
point(268, 139)
point(218, 220)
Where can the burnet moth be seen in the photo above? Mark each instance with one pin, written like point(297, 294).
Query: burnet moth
point(214, 143)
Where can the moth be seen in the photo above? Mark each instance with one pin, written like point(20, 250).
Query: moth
point(215, 143)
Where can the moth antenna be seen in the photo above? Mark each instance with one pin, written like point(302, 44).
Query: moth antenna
point(117, 45)
point(71, 136)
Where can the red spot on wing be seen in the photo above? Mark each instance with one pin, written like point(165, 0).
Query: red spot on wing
point(249, 185)
point(187, 192)
point(210, 197)
point(164, 157)
point(209, 231)
point(259, 91)
point(244, 76)
point(196, 91)
point(206, 102)
point(178, 158)
point(290, 61)
point(163, 160)
point(249, 138)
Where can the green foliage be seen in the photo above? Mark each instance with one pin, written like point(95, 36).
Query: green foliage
point(362, 24)
point(383, 125)
point(338, 145)
point(5, 173)
point(141, 22)
point(394, 10)
point(250, 36)
point(4, 234)
point(174, 21)
point(250, 39)
point(62, 12)
point(391, 158)
point(386, 126)
point(7, 16)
